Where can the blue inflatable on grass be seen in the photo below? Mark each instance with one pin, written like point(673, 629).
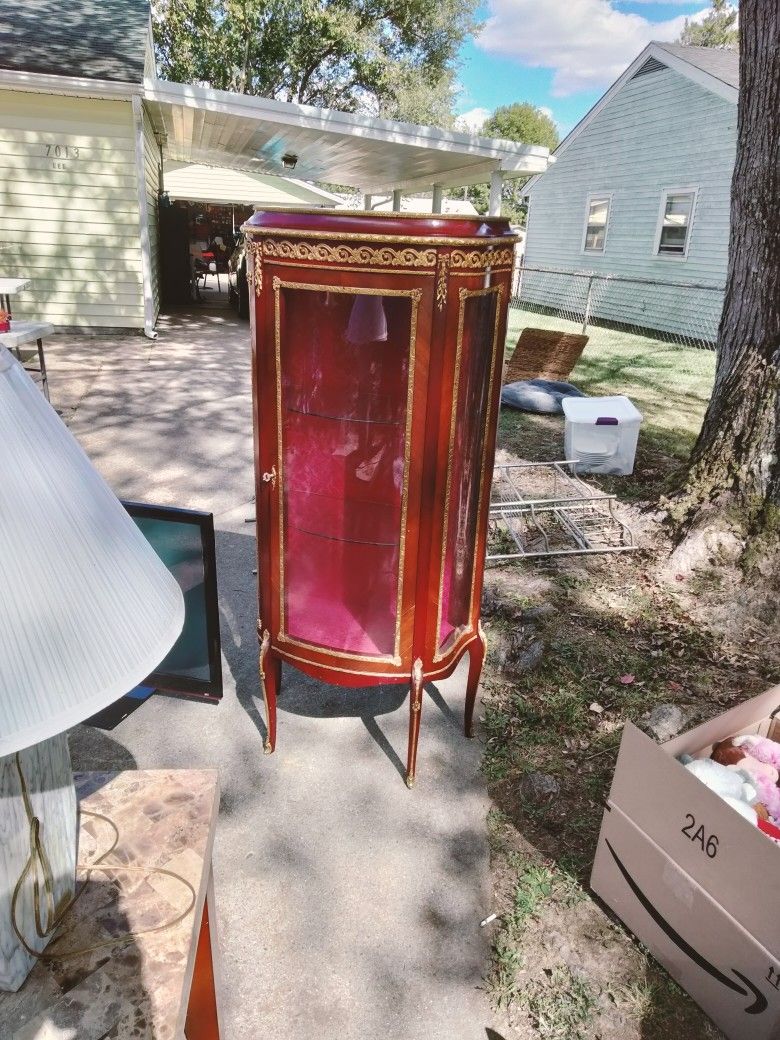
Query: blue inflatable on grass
point(542, 396)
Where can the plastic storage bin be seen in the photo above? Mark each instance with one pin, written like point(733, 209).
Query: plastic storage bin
point(601, 433)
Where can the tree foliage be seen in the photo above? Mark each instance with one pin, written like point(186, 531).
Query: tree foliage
point(519, 121)
point(717, 29)
point(389, 57)
point(524, 122)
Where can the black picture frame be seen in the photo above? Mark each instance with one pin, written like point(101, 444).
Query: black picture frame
point(210, 690)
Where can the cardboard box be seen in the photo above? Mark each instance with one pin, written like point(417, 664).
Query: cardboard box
point(697, 883)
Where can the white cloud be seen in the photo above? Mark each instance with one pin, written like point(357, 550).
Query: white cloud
point(588, 43)
point(472, 120)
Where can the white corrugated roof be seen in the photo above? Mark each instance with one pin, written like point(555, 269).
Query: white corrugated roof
point(218, 128)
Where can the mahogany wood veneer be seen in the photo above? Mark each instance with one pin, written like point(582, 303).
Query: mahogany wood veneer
point(377, 353)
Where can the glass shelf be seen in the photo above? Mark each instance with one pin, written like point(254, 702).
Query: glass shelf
point(345, 418)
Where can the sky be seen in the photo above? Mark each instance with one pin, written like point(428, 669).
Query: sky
point(561, 55)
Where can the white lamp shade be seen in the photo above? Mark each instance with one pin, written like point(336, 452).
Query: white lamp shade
point(87, 609)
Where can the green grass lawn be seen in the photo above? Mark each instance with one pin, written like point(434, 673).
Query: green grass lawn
point(670, 384)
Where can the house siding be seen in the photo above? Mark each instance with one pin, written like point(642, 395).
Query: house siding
point(660, 131)
point(70, 224)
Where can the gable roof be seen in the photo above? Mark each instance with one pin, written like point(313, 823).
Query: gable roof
point(713, 68)
point(92, 39)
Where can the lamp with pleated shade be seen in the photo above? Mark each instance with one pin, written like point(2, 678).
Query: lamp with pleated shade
point(87, 611)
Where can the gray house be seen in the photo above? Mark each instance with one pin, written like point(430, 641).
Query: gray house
point(640, 190)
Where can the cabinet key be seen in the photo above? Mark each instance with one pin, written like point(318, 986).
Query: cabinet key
point(270, 478)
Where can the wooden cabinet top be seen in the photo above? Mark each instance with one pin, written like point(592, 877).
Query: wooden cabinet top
point(433, 229)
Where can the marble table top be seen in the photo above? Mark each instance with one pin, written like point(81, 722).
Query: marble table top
point(137, 991)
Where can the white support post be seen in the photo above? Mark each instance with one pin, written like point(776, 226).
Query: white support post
point(397, 200)
point(367, 201)
point(437, 197)
point(143, 218)
point(496, 184)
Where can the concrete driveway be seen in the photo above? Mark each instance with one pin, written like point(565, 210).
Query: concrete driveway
point(348, 906)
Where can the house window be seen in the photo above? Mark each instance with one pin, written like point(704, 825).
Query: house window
point(674, 222)
point(596, 221)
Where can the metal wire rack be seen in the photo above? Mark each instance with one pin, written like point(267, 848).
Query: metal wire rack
point(546, 509)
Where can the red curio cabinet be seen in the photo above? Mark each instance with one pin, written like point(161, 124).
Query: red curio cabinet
point(377, 353)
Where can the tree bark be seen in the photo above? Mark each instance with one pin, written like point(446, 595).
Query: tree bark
point(734, 474)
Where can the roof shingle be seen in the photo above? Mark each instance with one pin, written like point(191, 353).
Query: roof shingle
point(720, 62)
point(95, 39)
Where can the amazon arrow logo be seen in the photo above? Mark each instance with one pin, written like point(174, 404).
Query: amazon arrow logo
point(747, 989)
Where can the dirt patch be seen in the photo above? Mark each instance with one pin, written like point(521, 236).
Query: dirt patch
point(564, 970)
point(620, 636)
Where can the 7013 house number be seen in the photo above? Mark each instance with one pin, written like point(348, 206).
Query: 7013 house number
point(59, 153)
point(698, 837)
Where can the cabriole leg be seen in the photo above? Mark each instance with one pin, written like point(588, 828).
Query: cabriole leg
point(415, 709)
point(270, 677)
point(477, 651)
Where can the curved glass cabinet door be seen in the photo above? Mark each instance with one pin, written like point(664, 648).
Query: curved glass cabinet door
point(475, 369)
point(344, 369)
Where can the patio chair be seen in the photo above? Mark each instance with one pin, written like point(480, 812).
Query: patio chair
point(544, 354)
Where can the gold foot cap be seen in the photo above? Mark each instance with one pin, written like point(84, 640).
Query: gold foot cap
point(410, 780)
point(267, 749)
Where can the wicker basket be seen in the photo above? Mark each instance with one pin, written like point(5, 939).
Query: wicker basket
point(544, 354)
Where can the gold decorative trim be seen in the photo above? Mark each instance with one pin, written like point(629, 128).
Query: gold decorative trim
point(482, 519)
point(415, 703)
point(355, 270)
point(335, 668)
point(384, 256)
point(417, 686)
point(283, 638)
point(415, 295)
point(464, 294)
point(441, 280)
point(265, 643)
point(456, 641)
point(254, 269)
point(479, 259)
point(253, 230)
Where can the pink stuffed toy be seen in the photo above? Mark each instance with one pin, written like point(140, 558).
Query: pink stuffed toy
point(768, 795)
point(749, 756)
point(762, 748)
point(737, 756)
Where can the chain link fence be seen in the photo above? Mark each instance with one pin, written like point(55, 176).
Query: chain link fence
point(681, 314)
point(649, 339)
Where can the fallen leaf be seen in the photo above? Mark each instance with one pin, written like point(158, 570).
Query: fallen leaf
point(596, 707)
point(626, 680)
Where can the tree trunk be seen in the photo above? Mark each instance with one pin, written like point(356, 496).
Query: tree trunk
point(734, 475)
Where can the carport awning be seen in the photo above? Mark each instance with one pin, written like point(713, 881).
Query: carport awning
point(218, 128)
point(192, 182)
